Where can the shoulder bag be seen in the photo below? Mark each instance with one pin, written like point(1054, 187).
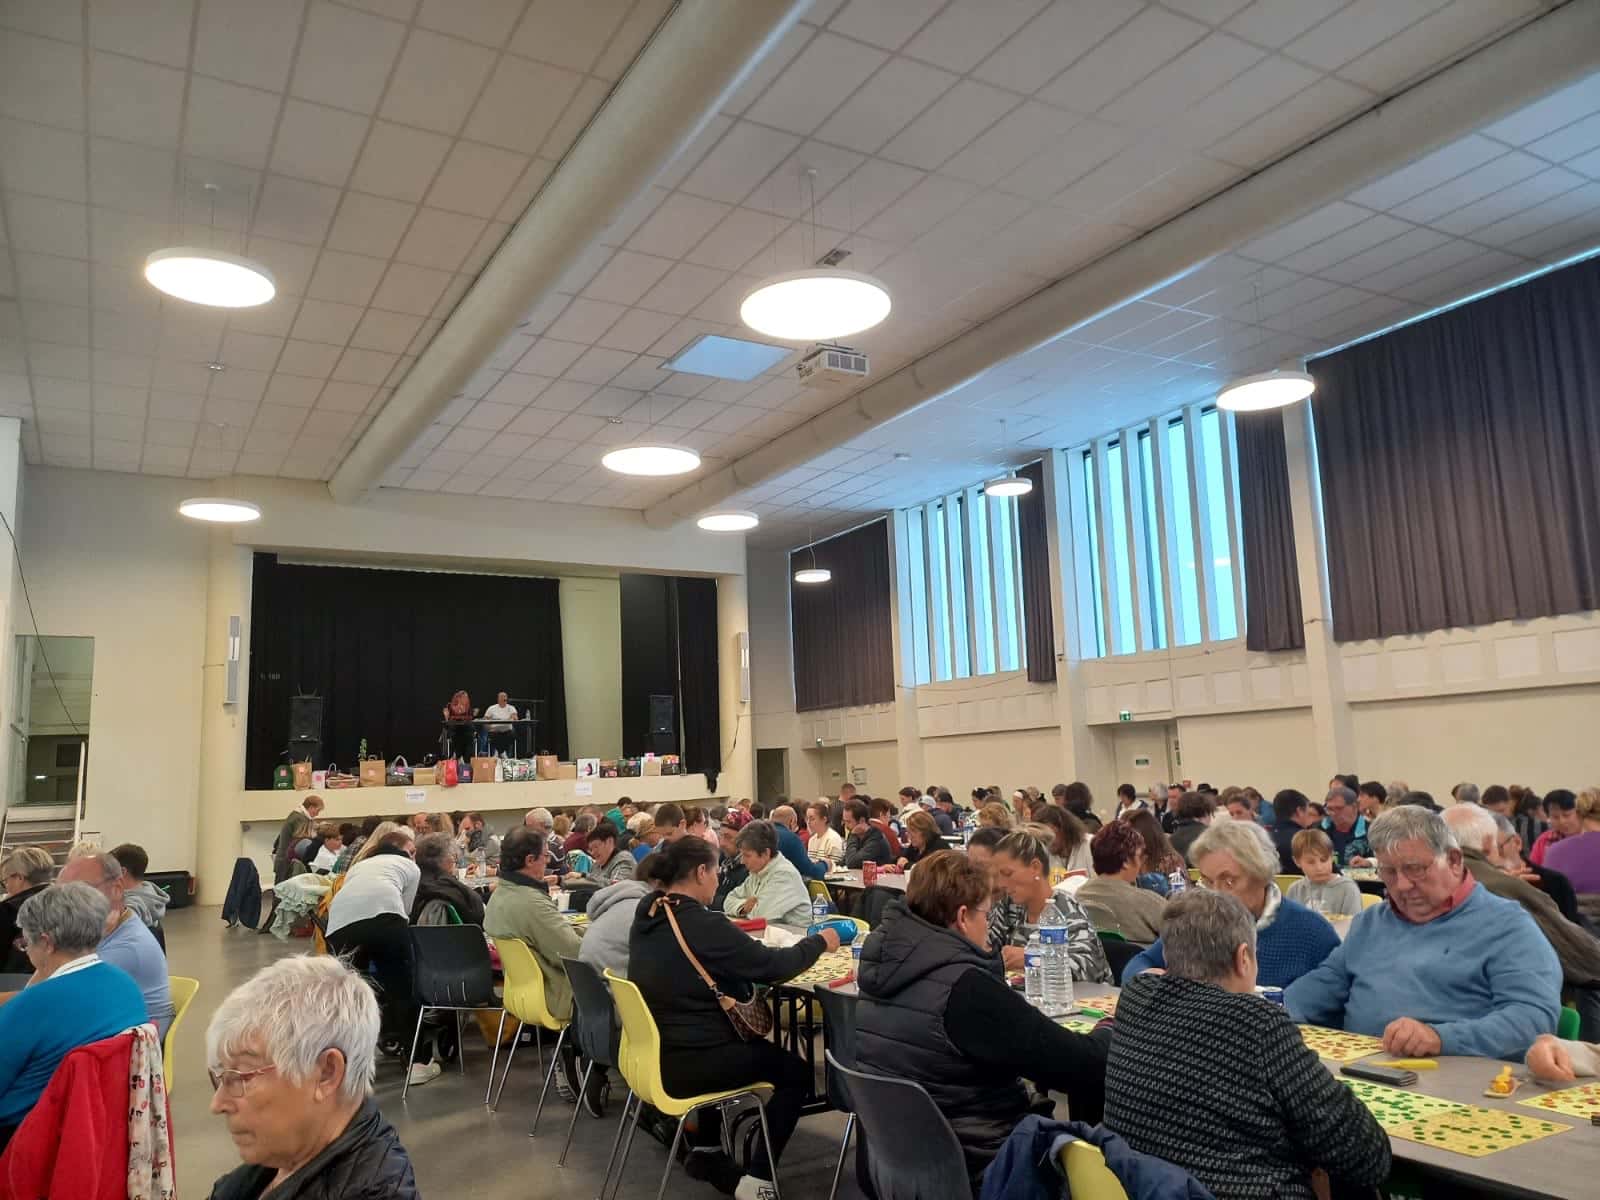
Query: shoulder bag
point(752, 1019)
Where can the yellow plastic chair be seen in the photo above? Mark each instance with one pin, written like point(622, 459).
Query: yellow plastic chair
point(1368, 899)
point(640, 1063)
point(183, 991)
point(1285, 882)
point(815, 888)
point(523, 997)
point(1088, 1177)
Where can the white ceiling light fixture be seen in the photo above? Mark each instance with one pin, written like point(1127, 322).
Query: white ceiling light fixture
point(220, 510)
point(1010, 485)
point(652, 459)
point(208, 276)
point(818, 304)
point(813, 573)
point(1266, 390)
point(729, 521)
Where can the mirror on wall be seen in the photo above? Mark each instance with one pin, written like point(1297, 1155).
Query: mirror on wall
point(49, 725)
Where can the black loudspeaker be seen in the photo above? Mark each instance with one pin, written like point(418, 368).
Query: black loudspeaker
point(305, 718)
point(661, 718)
point(663, 744)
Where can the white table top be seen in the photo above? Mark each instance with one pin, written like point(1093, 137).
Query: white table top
point(852, 880)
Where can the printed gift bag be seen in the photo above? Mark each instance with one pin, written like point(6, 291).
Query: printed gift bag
point(302, 775)
point(518, 770)
point(282, 777)
point(483, 769)
point(399, 773)
point(373, 772)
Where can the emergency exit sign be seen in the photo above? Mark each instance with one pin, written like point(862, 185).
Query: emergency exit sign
point(1124, 715)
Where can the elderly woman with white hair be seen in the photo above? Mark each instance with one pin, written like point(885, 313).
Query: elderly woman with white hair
point(25, 872)
point(72, 1000)
point(1237, 857)
point(291, 1063)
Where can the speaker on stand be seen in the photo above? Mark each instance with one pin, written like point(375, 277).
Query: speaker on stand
point(305, 729)
point(663, 737)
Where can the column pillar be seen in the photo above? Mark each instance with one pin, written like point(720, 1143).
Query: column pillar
point(738, 724)
point(218, 834)
point(10, 623)
point(907, 730)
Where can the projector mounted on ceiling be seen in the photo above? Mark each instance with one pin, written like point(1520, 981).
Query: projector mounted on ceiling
point(826, 365)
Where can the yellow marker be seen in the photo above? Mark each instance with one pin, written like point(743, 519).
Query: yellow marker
point(1501, 1084)
point(1409, 1064)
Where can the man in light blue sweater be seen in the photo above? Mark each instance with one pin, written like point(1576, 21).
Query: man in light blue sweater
point(1444, 967)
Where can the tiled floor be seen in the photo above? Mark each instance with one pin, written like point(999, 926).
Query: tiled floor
point(458, 1148)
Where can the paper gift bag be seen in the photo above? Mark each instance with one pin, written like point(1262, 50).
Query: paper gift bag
point(650, 767)
point(319, 780)
point(483, 769)
point(423, 776)
point(566, 770)
point(373, 771)
point(546, 765)
point(302, 774)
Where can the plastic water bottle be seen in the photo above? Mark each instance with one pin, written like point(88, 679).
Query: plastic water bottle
point(1033, 971)
point(1057, 969)
point(819, 908)
point(1178, 882)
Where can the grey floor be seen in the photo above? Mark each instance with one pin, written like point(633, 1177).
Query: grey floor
point(458, 1148)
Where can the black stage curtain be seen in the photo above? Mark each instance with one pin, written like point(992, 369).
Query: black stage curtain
point(1266, 526)
point(385, 650)
point(1038, 621)
point(649, 659)
point(1457, 458)
point(843, 644)
point(699, 688)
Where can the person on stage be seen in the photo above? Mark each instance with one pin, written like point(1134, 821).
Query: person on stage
point(502, 738)
point(463, 733)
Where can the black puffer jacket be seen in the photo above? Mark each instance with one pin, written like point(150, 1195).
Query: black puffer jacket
point(365, 1162)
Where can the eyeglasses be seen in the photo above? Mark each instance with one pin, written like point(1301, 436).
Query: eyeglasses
point(233, 1084)
point(1416, 872)
point(1225, 882)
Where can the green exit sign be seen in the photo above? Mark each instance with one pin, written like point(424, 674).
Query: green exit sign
point(1124, 715)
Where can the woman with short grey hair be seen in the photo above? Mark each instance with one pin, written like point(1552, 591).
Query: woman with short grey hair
point(1239, 859)
point(73, 998)
point(438, 885)
point(1247, 1109)
point(291, 1058)
point(27, 871)
point(773, 891)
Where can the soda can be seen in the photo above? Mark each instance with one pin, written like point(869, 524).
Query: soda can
point(869, 873)
point(855, 951)
point(1272, 995)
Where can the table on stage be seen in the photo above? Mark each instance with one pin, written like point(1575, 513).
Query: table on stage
point(481, 724)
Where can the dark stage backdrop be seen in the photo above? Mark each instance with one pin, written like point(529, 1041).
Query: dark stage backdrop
point(385, 650)
point(843, 636)
point(669, 648)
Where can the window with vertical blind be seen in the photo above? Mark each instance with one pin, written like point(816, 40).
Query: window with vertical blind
point(961, 575)
point(1156, 511)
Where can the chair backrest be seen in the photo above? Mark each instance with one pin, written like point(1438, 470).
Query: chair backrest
point(1368, 899)
point(183, 990)
point(1119, 951)
point(839, 1036)
point(815, 888)
point(639, 1055)
point(1568, 1026)
point(438, 912)
point(1285, 882)
point(450, 965)
point(523, 993)
point(594, 1015)
point(1088, 1177)
point(915, 1154)
point(874, 900)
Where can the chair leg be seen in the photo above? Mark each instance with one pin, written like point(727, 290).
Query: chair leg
point(672, 1156)
point(576, 1109)
point(766, 1138)
point(461, 1044)
point(555, 1061)
point(538, 1047)
point(495, 1061)
point(844, 1145)
point(510, 1054)
point(415, 1038)
point(627, 1146)
point(627, 1107)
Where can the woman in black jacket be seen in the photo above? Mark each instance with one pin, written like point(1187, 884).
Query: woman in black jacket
point(436, 860)
point(28, 871)
point(922, 838)
point(700, 1050)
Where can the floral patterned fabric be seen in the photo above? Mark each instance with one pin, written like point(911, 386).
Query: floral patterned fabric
point(150, 1169)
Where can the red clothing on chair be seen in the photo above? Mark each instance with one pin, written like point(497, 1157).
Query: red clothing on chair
point(74, 1144)
point(889, 835)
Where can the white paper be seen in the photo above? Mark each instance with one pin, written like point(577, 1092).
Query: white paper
point(584, 787)
point(416, 795)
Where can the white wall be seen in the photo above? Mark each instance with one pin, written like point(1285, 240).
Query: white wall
point(591, 661)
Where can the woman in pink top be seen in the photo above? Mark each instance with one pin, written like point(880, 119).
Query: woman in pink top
point(1562, 808)
point(1578, 858)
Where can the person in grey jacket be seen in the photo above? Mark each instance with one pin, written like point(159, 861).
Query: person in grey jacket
point(148, 902)
point(610, 912)
point(608, 861)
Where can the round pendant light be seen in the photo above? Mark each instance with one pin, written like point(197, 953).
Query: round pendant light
point(209, 277)
point(1269, 389)
point(813, 575)
point(220, 510)
point(731, 521)
point(816, 305)
point(651, 459)
point(1006, 486)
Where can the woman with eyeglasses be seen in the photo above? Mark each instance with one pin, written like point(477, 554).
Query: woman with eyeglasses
point(291, 1064)
point(28, 871)
point(935, 1009)
point(1238, 857)
point(1022, 869)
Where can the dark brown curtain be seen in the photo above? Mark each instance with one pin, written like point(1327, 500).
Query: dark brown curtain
point(1039, 643)
point(1273, 619)
point(699, 687)
point(1458, 463)
point(843, 644)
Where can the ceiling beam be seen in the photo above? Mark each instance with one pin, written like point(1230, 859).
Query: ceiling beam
point(1533, 61)
point(699, 55)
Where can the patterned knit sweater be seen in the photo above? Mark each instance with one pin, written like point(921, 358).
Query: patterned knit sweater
point(1247, 1109)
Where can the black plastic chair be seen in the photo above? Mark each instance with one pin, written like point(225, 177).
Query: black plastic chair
point(1119, 952)
point(915, 1153)
point(873, 901)
point(451, 972)
point(598, 1031)
point(839, 1038)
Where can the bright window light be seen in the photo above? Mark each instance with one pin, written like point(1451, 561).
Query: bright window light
point(727, 358)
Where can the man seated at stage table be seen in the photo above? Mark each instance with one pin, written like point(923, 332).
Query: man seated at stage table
point(1444, 966)
point(502, 738)
point(607, 863)
point(463, 734)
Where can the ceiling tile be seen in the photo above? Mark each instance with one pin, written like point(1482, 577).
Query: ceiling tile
point(549, 357)
point(411, 289)
point(325, 321)
point(42, 161)
point(476, 179)
point(157, 30)
point(886, 23)
point(1084, 146)
point(229, 123)
point(1021, 136)
point(740, 235)
point(1275, 23)
point(812, 86)
point(50, 18)
point(250, 350)
point(1357, 28)
point(364, 366)
point(370, 225)
point(682, 288)
point(346, 278)
point(1152, 38)
point(398, 162)
point(294, 210)
point(555, 31)
point(1492, 177)
point(345, 57)
point(134, 101)
point(338, 396)
point(389, 331)
point(291, 264)
point(41, 80)
point(630, 37)
point(1292, 123)
point(436, 81)
point(1545, 116)
point(48, 226)
point(318, 143)
point(1566, 143)
point(439, 239)
point(245, 41)
point(769, 66)
point(626, 277)
point(521, 104)
point(585, 320)
point(677, 224)
point(485, 21)
point(1429, 171)
point(294, 391)
point(527, 187)
point(744, 157)
point(487, 414)
point(965, 33)
point(1060, 34)
point(1443, 35)
point(1194, 74)
point(952, 121)
point(1255, 92)
point(888, 102)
